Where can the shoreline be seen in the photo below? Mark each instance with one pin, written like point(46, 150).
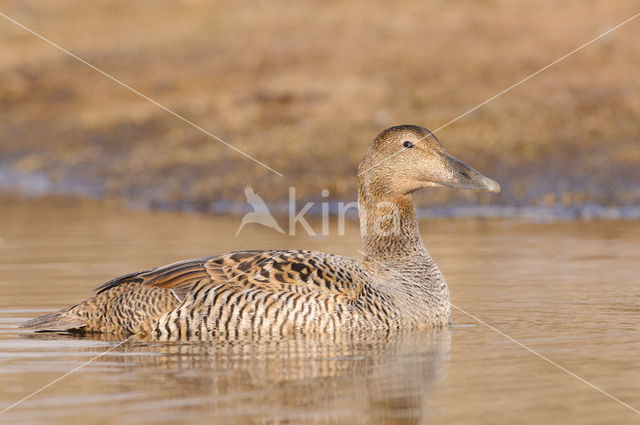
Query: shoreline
point(38, 185)
point(532, 213)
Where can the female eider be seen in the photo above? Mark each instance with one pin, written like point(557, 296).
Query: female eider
point(396, 285)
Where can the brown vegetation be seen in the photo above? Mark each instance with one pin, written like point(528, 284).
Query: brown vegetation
point(304, 87)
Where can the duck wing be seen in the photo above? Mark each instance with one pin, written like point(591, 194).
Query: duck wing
point(293, 271)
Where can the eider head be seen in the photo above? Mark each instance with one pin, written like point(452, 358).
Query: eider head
point(406, 158)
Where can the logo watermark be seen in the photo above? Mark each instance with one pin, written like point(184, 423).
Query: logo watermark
point(386, 218)
point(260, 214)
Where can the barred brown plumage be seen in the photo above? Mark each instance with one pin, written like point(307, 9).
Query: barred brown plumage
point(397, 285)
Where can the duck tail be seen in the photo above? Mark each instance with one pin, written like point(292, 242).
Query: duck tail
point(60, 321)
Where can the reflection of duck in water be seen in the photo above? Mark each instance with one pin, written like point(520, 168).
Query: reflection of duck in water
point(396, 286)
point(370, 378)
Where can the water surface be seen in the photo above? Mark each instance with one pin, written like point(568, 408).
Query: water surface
point(568, 290)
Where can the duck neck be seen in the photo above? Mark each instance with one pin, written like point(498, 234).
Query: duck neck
point(388, 227)
point(401, 267)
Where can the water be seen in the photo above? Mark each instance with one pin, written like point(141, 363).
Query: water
point(569, 290)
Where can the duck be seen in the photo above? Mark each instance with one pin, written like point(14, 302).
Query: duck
point(396, 285)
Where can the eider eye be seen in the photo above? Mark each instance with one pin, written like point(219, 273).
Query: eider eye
point(408, 144)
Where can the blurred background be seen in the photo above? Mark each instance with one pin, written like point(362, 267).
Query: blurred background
point(305, 86)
